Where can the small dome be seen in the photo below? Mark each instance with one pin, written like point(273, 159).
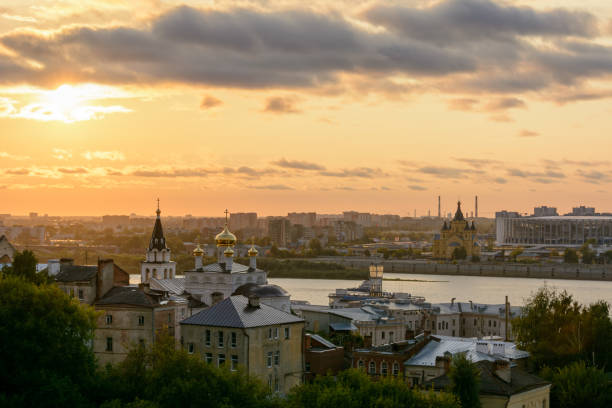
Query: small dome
point(266, 291)
point(198, 251)
point(253, 251)
point(228, 252)
point(225, 238)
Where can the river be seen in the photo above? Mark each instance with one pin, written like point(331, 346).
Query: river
point(442, 288)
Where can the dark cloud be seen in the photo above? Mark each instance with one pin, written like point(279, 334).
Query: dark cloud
point(171, 173)
point(272, 187)
point(279, 104)
point(500, 180)
point(477, 163)
point(593, 176)
point(417, 188)
point(297, 164)
point(360, 172)
point(17, 172)
point(209, 102)
point(528, 133)
point(73, 170)
point(463, 104)
point(504, 104)
point(447, 172)
point(536, 176)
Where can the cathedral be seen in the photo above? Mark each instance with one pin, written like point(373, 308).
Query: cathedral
point(214, 282)
point(456, 234)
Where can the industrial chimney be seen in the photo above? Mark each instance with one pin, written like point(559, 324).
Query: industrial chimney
point(439, 212)
point(476, 207)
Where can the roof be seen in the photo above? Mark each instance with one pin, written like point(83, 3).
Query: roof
point(458, 213)
point(249, 289)
point(360, 314)
point(175, 286)
point(343, 326)
point(491, 384)
point(454, 345)
point(220, 268)
point(158, 241)
point(569, 218)
point(128, 295)
point(235, 311)
point(76, 273)
point(322, 341)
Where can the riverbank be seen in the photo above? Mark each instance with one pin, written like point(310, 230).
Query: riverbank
point(306, 269)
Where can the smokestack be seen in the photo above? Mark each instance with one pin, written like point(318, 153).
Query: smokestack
point(439, 212)
point(476, 207)
point(506, 322)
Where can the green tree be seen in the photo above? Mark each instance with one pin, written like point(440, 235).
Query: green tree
point(367, 253)
point(465, 381)
point(459, 253)
point(570, 256)
point(578, 386)
point(588, 255)
point(516, 252)
point(45, 352)
point(354, 389)
point(315, 246)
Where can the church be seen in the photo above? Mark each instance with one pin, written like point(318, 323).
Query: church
point(210, 284)
point(456, 234)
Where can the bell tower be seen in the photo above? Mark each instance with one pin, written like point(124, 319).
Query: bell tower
point(157, 263)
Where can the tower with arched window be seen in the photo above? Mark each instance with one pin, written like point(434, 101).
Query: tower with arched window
point(158, 263)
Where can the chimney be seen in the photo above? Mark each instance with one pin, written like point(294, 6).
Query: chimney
point(439, 212)
point(53, 267)
point(66, 261)
point(104, 277)
point(444, 361)
point(254, 301)
point(471, 305)
point(476, 207)
point(502, 370)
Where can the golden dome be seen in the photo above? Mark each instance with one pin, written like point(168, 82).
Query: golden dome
point(225, 238)
point(228, 252)
point(253, 251)
point(198, 251)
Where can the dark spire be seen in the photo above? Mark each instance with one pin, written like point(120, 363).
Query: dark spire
point(445, 226)
point(458, 214)
point(473, 226)
point(158, 241)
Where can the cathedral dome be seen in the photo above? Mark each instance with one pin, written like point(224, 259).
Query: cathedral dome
point(252, 289)
point(253, 251)
point(225, 238)
point(198, 251)
point(228, 252)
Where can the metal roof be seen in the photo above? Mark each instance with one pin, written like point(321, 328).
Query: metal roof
point(220, 268)
point(323, 341)
point(235, 311)
point(175, 286)
point(128, 295)
point(76, 273)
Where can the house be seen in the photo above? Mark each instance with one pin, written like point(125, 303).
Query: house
point(387, 360)
point(239, 331)
point(321, 357)
point(7, 251)
point(503, 385)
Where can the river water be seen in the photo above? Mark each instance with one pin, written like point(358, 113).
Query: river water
point(442, 288)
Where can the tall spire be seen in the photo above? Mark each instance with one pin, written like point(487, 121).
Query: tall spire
point(158, 241)
point(458, 213)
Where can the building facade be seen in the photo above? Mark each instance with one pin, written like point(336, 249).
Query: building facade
point(459, 234)
point(157, 264)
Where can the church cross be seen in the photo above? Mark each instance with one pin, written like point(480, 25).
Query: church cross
point(158, 203)
point(226, 212)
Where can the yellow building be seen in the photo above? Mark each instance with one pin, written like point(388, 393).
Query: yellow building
point(458, 234)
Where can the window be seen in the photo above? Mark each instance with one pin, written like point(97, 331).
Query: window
point(383, 335)
point(220, 338)
point(207, 337)
point(141, 320)
point(209, 358)
point(269, 359)
point(307, 366)
point(276, 332)
point(276, 385)
point(277, 357)
point(71, 292)
point(169, 317)
point(270, 382)
point(489, 323)
point(383, 368)
point(190, 348)
point(183, 312)
point(390, 337)
point(109, 344)
point(494, 323)
point(395, 369)
point(234, 365)
point(453, 322)
point(360, 364)
point(141, 342)
point(372, 367)
point(221, 360)
point(109, 319)
point(81, 296)
point(287, 331)
point(544, 403)
point(234, 339)
point(270, 333)
point(475, 322)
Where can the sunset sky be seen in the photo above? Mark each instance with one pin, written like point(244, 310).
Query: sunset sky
point(286, 105)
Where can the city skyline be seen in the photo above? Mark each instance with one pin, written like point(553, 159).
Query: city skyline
point(280, 107)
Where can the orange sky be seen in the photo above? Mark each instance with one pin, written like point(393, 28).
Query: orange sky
point(374, 106)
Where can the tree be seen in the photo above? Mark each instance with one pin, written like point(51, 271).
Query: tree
point(315, 246)
point(367, 252)
point(516, 252)
point(570, 256)
point(459, 253)
point(465, 381)
point(23, 266)
point(577, 386)
point(45, 352)
point(588, 255)
point(354, 389)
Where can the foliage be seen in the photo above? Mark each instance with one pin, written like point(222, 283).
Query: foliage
point(44, 336)
point(556, 330)
point(347, 340)
point(162, 376)
point(588, 255)
point(578, 386)
point(516, 252)
point(465, 381)
point(459, 253)
point(475, 258)
point(353, 389)
point(24, 267)
point(570, 256)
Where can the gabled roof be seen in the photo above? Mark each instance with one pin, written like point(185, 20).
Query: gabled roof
point(491, 384)
point(158, 241)
point(235, 311)
point(4, 238)
point(76, 273)
point(129, 295)
point(175, 286)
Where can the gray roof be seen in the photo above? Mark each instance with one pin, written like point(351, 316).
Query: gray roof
point(220, 268)
point(359, 314)
point(128, 295)
point(454, 345)
point(322, 341)
point(175, 286)
point(76, 273)
point(263, 291)
point(491, 384)
point(235, 311)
